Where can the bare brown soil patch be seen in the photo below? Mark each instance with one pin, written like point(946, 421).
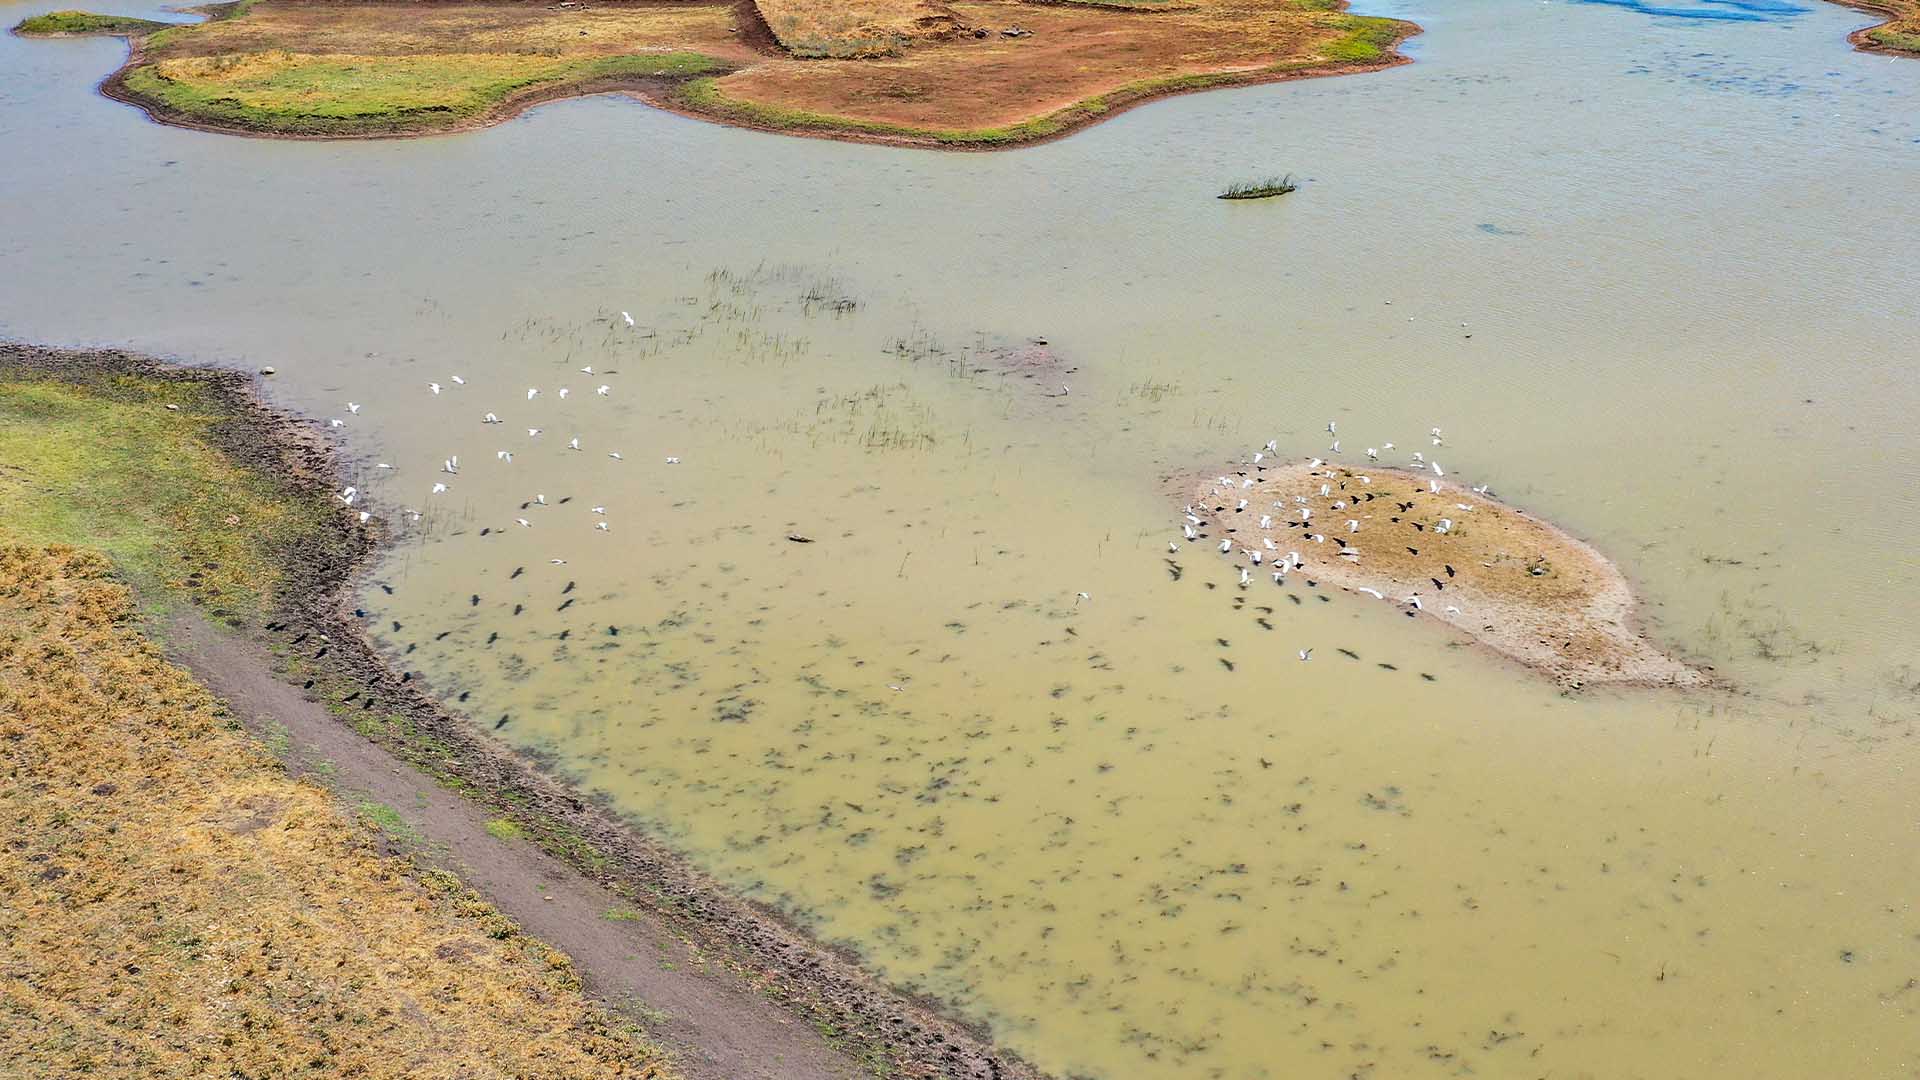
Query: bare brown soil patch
point(1514, 583)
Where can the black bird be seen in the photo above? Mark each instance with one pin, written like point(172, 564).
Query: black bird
point(304, 635)
point(1226, 663)
point(406, 677)
point(517, 571)
point(1348, 653)
point(1437, 583)
point(1387, 667)
point(502, 723)
point(322, 652)
point(410, 647)
point(1449, 571)
point(1265, 764)
point(474, 600)
point(396, 626)
point(564, 633)
point(1223, 643)
point(518, 608)
point(355, 696)
point(565, 606)
point(567, 590)
point(442, 635)
point(1430, 678)
point(493, 637)
point(613, 631)
point(484, 532)
point(308, 685)
point(388, 589)
point(1420, 527)
point(1264, 624)
point(464, 694)
point(1413, 551)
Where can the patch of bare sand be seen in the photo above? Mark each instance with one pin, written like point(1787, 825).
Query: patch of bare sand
point(1514, 583)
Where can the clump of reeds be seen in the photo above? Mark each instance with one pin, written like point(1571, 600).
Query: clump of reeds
point(1259, 189)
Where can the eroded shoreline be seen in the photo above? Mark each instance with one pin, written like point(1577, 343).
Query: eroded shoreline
point(821, 985)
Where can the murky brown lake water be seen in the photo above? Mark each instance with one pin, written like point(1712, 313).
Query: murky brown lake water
point(1132, 832)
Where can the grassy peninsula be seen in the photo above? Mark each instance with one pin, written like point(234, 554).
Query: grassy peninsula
point(983, 73)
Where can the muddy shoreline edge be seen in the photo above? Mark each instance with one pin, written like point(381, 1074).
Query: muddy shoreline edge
point(823, 985)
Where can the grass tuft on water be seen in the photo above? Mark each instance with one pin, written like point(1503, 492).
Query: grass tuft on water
point(1259, 189)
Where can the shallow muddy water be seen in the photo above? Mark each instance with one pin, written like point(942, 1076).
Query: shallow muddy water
point(1652, 275)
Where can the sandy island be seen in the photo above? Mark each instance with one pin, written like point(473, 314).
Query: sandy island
point(1514, 583)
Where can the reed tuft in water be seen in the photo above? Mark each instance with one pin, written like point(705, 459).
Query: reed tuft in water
point(1259, 189)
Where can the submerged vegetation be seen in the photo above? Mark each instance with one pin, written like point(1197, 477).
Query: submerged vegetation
point(1259, 189)
point(157, 853)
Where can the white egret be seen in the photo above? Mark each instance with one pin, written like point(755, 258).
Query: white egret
point(434, 386)
point(1226, 546)
point(1375, 593)
point(541, 499)
point(603, 390)
point(534, 432)
point(628, 319)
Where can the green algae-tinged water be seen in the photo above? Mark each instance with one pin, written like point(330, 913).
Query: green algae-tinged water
point(1683, 252)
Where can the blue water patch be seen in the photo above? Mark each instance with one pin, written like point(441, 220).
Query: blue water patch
point(1713, 10)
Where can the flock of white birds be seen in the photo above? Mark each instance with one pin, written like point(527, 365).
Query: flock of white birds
point(450, 466)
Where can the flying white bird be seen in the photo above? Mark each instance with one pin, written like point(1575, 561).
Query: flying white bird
point(532, 392)
point(1273, 446)
point(1451, 610)
point(534, 432)
point(434, 386)
point(558, 562)
point(628, 319)
point(1172, 547)
point(330, 421)
point(1242, 506)
point(504, 455)
point(541, 499)
point(1077, 597)
point(439, 489)
point(490, 419)
point(1266, 521)
point(1326, 490)
point(1419, 457)
point(1335, 447)
point(1353, 526)
point(348, 494)
point(588, 370)
point(1437, 470)
point(523, 523)
point(364, 516)
point(563, 393)
point(599, 509)
point(1331, 429)
point(1413, 602)
point(1433, 486)
point(458, 381)
point(1446, 525)
point(1373, 453)
point(1386, 446)
point(573, 443)
point(1255, 556)
point(1306, 654)
point(1267, 541)
point(352, 407)
point(1257, 457)
point(673, 461)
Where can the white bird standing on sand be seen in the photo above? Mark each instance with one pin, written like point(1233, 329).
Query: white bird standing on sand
point(1437, 470)
point(1353, 526)
point(1451, 610)
point(1419, 457)
point(1373, 453)
point(490, 419)
point(1255, 556)
point(523, 523)
point(1386, 446)
point(458, 381)
point(1375, 593)
point(504, 455)
point(1266, 521)
point(541, 499)
point(1246, 578)
point(1433, 486)
point(599, 510)
point(1306, 514)
point(1293, 559)
point(573, 443)
point(603, 390)
point(532, 392)
point(1270, 545)
point(534, 432)
point(615, 455)
point(1326, 490)
point(434, 386)
point(588, 370)
point(1257, 457)
point(439, 489)
point(673, 461)
point(1305, 655)
point(601, 525)
point(1445, 526)
point(383, 465)
point(352, 407)
point(364, 517)
point(1335, 447)
point(563, 393)
point(1172, 547)
point(628, 319)
point(1079, 596)
point(1242, 506)
point(1191, 535)
point(1226, 546)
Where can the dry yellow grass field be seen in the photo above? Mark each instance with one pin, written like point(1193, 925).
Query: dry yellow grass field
point(173, 904)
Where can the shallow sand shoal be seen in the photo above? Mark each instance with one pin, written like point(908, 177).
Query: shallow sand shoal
point(1437, 549)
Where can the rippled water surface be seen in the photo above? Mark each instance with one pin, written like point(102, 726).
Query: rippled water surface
point(1654, 276)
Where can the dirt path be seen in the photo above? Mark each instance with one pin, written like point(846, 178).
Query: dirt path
point(717, 1028)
